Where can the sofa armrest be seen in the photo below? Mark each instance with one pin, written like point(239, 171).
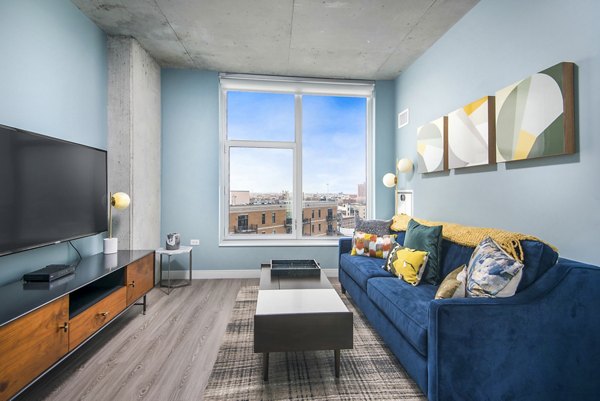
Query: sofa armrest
point(542, 343)
point(345, 246)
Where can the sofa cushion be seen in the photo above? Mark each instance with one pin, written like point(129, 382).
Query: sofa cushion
point(539, 257)
point(407, 307)
point(361, 269)
point(453, 256)
point(400, 236)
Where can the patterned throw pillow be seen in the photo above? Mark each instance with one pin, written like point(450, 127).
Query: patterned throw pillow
point(408, 264)
point(453, 285)
point(377, 227)
point(492, 272)
point(392, 256)
point(371, 245)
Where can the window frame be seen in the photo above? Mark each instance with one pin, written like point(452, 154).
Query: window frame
point(298, 87)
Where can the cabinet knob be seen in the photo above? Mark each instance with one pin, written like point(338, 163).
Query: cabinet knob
point(64, 327)
point(103, 314)
point(132, 284)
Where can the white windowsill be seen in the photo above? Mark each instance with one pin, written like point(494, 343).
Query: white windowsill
point(278, 242)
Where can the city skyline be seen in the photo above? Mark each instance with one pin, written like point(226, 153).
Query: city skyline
point(247, 197)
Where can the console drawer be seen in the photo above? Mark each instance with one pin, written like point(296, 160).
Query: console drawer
point(139, 278)
point(89, 321)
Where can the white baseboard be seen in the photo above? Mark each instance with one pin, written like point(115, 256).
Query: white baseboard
point(224, 274)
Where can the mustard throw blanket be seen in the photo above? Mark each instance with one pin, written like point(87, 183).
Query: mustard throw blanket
point(472, 236)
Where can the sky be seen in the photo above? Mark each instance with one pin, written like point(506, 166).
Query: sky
point(333, 148)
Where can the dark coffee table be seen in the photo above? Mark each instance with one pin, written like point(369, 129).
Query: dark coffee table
point(300, 314)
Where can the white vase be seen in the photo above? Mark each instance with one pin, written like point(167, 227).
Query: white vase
point(110, 245)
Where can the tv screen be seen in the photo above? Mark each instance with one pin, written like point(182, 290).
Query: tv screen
point(50, 190)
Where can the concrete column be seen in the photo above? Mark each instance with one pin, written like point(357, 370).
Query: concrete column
point(134, 129)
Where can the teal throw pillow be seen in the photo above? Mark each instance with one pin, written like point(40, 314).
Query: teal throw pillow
point(429, 239)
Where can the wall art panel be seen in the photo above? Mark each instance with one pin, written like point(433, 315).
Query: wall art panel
point(535, 116)
point(432, 146)
point(471, 134)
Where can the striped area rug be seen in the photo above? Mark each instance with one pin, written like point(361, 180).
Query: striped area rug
point(368, 372)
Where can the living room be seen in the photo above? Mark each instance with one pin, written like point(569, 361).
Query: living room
point(153, 86)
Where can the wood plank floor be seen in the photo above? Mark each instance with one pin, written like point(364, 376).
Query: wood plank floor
point(166, 355)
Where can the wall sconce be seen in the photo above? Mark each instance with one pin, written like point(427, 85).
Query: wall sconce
point(390, 180)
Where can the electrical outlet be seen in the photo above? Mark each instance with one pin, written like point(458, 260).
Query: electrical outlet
point(195, 242)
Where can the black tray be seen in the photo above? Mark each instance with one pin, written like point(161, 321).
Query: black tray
point(295, 268)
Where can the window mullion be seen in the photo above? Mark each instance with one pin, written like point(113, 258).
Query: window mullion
point(370, 201)
point(298, 166)
point(224, 170)
point(259, 144)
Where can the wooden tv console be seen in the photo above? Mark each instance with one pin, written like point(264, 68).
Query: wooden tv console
point(43, 323)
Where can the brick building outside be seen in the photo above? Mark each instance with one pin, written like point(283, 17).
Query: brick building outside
point(319, 218)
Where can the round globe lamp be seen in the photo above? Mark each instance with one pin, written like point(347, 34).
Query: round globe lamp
point(119, 201)
point(389, 180)
point(405, 166)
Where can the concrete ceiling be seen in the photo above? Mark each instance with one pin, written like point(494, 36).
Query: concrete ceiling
point(361, 39)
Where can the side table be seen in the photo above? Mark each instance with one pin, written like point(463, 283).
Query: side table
point(169, 253)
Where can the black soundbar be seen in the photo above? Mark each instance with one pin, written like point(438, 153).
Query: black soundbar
point(49, 273)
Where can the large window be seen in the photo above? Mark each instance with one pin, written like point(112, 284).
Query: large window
point(297, 150)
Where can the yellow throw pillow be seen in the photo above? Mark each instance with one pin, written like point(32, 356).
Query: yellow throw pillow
point(409, 265)
point(453, 285)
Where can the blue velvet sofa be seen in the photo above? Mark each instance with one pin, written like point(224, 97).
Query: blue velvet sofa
point(541, 344)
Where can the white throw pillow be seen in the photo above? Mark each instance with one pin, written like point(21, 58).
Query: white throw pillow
point(511, 287)
point(492, 272)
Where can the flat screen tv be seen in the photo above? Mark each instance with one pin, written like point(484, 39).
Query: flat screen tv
point(50, 190)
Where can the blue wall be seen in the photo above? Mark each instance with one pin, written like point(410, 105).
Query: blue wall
point(496, 44)
point(53, 80)
point(190, 172)
point(385, 143)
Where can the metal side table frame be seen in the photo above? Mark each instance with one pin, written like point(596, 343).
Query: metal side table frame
point(169, 253)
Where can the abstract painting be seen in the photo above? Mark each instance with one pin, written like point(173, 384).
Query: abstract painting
point(471, 134)
point(431, 146)
point(535, 116)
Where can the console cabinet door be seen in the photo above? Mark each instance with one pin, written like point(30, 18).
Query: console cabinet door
point(31, 344)
point(139, 278)
point(92, 319)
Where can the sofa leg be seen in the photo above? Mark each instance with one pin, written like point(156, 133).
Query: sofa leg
point(343, 290)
